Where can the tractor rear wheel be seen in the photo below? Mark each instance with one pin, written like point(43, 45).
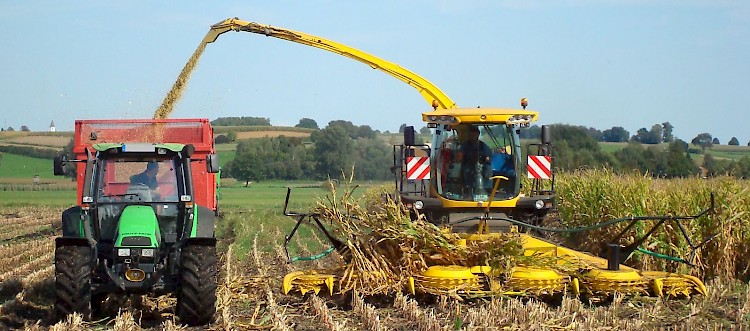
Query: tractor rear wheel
point(73, 281)
point(196, 294)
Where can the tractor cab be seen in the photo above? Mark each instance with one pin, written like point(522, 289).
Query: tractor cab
point(474, 165)
point(121, 180)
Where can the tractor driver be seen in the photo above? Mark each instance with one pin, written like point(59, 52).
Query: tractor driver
point(148, 177)
point(475, 162)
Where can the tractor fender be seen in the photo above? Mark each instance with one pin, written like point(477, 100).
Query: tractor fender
point(72, 225)
point(71, 241)
point(200, 241)
point(205, 219)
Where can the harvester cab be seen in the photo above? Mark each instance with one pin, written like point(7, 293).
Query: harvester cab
point(142, 225)
point(474, 165)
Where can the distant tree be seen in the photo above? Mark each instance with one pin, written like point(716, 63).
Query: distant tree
point(715, 141)
point(641, 136)
point(365, 131)
point(10, 128)
point(241, 121)
point(734, 141)
point(402, 128)
point(308, 123)
point(353, 131)
point(575, 148)
point(232, 135)
point(333, 151)
point(373, 159)
point(615, 134)
point(656, 134)
point(222, 139)
point(424, 130)
point(631, 157)
point(653, 136)
point(248, 164)
point(532, 132)
point(25, 128)
point(594, 133)
point(677, 160)
point(667, 136)
point(704, 140)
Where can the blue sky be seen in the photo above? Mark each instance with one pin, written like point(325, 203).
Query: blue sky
point(598, 63)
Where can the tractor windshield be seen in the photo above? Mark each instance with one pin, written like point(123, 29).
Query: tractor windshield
point(127, 180)
point(469, 157)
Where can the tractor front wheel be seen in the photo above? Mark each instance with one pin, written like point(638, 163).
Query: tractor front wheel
point(196, 295)
point(73, 281)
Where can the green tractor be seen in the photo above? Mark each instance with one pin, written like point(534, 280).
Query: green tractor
point(138, 229)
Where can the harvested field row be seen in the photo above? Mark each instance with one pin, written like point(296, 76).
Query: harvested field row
point(27, 233)
point(27, 223)
point(271, 134)
point(40, 141)
point(39, 247)
point(21, 215)
point(28, 267)
point(12, 249)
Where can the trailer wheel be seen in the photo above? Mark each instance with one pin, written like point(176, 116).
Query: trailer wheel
point(73, 281)
point(196, 294)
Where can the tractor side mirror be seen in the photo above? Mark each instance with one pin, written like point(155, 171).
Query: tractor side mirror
point(546, 135)
point(409, 136)
point(212, 163)
point(58, 165)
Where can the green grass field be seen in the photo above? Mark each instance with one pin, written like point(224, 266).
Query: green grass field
point(19, 166)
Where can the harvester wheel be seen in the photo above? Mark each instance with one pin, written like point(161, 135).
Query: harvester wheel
point(73, 281)
point(196, 295)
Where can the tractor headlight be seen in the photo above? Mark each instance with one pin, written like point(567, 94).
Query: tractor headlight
point(418, 204)
point(123, 252)
point(147, 252)
point(520, 119)
point(539, 204)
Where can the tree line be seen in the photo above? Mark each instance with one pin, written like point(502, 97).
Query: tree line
point(656, 152)
point(339, 149)
point(342, 148)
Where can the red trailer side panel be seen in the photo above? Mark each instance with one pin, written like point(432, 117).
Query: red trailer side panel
point(183, 131)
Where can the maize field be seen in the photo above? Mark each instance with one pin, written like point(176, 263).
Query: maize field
point(254, 262)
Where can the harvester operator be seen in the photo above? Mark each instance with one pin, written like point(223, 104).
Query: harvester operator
point(475, 163)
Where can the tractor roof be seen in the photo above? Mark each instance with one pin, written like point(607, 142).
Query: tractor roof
point(480, 115)
point(138, 147)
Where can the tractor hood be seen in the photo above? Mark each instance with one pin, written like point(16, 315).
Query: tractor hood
point(138, 227)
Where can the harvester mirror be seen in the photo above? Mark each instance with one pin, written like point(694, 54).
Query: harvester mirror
point(212, 163)
point(546, 134)
point(58, 163)
point(188, 150)
point(409, 135)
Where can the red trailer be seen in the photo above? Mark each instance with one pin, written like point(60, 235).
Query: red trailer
point(197, 132)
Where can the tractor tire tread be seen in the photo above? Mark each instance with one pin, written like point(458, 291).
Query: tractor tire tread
point(196, 294)
point(73, 281)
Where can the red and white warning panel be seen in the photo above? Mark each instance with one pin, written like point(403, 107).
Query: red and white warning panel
point(539, 167)
point(418, 167)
